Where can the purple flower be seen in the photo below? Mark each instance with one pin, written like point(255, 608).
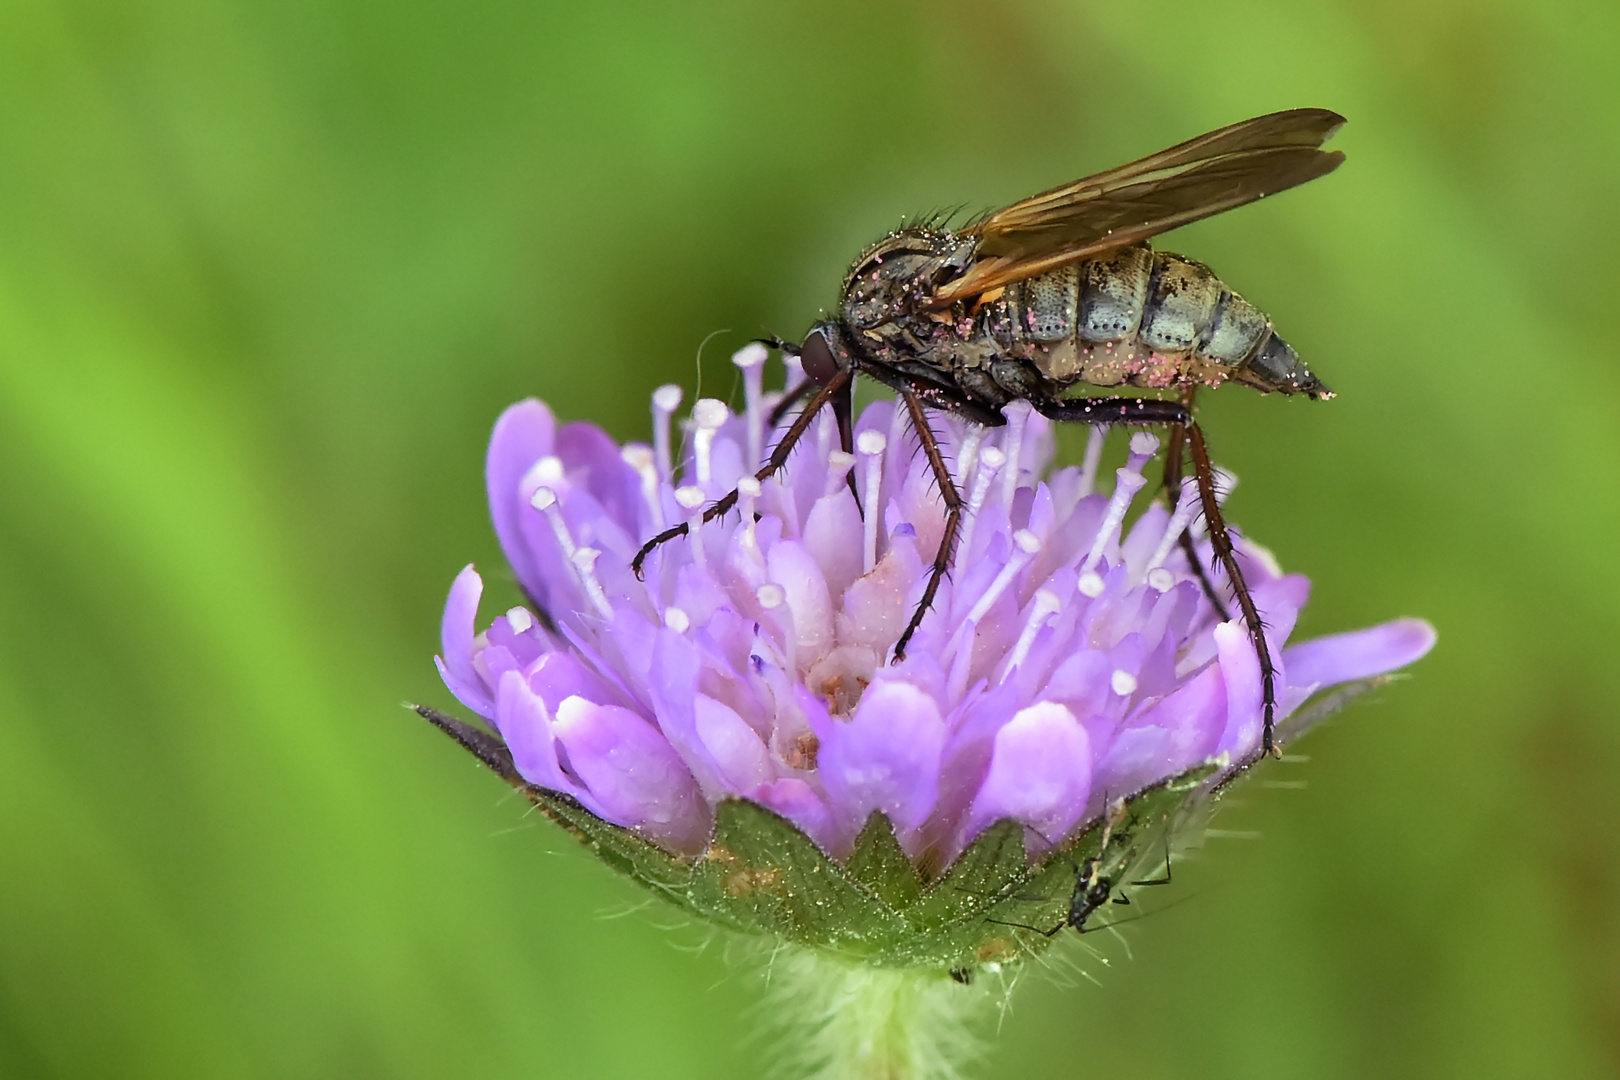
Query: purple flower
point(1067, 656)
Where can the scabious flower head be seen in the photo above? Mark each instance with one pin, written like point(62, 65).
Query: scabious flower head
point(1070, 658)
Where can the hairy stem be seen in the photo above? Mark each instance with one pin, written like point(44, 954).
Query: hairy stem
point(843, 1019)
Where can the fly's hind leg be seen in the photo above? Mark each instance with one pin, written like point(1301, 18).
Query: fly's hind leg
point(1172, 493)
point(1176, 416)
point(838, 384)
point(1222, 543)
point(953, 516)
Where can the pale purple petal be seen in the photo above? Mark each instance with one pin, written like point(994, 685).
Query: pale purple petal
point(1359, 654)
point(1040, 773)
point(631, 771)
point(798, 802)
point(886, 757)
point(523, 435)
point(456, 633)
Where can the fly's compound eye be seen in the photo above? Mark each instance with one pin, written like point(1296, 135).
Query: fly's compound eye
point(820, 365)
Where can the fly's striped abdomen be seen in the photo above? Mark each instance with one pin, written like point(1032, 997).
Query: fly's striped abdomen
point(1143, 318)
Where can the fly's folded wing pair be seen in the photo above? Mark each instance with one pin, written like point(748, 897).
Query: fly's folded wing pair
point(1196, 179)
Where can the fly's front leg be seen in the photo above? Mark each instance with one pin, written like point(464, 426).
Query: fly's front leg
point(801, 423)
point(1222, 543)
point(953, 517)
point(1172, 493)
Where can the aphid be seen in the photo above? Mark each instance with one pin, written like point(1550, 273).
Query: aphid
point(1059, 290)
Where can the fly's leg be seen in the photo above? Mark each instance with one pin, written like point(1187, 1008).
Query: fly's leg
point(1174, 414)
point(789, 399)
point(1222, 543)
point(837, 384)
point(843, 407)
point(1172, 492)
point(953, 517)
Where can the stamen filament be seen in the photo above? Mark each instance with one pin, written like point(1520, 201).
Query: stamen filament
point(665, 400)
point(871, 445)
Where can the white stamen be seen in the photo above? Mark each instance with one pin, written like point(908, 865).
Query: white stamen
point(771, 596)
point(1127, 482)
point(691, 499)
point(1091, 584)
point(751, 359)
point(961, 664)
point(665, 400)
point(991, 459)
point(1088, 466)
point(708, 415)
point(1045, 606)
point(677, 620)
point(871, 445)
point(967, 454)
point(519, 620)
point(545, 501)
point(1161, 580)
point(1123, 683)
point(640, 457)
point(1017, 414)
point(584, 560)
point(1186, 507)
point(1025, 545)
point(748, 490)
point(838, 466)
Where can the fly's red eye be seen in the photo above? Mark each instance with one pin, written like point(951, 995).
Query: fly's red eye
point(819, 363)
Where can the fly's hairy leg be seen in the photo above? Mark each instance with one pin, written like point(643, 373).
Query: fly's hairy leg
point(1172, 492)
point(843, 406)
point(790, 399)
point(1222, 543)
point(778, 458)
point(953, 517)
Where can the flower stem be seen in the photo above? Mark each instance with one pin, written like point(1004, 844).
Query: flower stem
point(844, 1019)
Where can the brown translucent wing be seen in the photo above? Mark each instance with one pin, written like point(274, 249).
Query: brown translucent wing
point(1197, 179)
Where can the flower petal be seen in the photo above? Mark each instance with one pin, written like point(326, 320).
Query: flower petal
point(1359, 654)
point(1040, 773)
point(886, 757)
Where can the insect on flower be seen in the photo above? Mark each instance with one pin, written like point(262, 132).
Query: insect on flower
point(1063, 290)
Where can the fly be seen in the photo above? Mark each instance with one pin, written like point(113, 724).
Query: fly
point(1063, 290)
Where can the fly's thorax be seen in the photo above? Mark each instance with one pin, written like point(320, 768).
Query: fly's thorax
point(898, 274)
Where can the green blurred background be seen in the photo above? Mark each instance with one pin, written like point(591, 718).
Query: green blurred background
point(269, 271)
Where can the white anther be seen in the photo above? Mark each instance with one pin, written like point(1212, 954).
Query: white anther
point(838, 466)
point(665, 400)
point(1088, 465)
point(676, 619)
point(1091, 584)
point(1144, 444)
point(640, 457)
point(519, 620)
point(584, 560)
point(1017, 414)
point(749, 487)
point(991, 459)
point(708, 416)
point(871, 445)
point(1027, 541)
point(1127, 483)
point(1161, 580)
point(1186, 507)
point(1123, 683)
point(543, 499)
point(751, 359)
point(770, 596)
point(690, 496)
point(1046, 605)
point(748, 490)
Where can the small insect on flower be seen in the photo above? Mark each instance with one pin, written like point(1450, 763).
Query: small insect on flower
point(1058, 290)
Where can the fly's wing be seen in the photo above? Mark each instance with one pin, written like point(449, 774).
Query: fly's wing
point(1197, 179)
